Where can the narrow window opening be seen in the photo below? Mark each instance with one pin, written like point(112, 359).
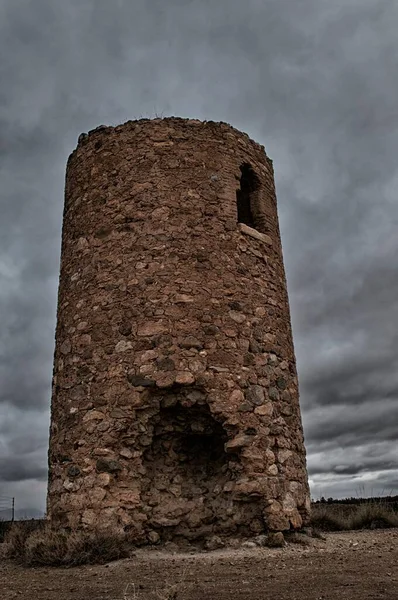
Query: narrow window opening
point(246, 195)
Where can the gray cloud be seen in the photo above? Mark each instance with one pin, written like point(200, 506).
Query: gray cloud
point(15, 470)
point(315, 82)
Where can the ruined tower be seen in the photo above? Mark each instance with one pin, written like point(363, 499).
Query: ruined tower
point(175, 408)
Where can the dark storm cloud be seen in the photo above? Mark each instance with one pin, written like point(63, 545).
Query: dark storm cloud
point(16, 470)
point(315, 82)
point(353, 425)
point(351, 469)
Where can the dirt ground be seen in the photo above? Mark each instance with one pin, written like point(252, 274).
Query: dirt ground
point(351, 565)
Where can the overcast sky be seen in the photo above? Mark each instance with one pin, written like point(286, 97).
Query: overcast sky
point(316, 82)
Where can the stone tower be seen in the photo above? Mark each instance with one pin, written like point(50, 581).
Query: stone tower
point(175, 408)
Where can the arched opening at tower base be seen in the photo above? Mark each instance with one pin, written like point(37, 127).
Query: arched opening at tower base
point(189, 476)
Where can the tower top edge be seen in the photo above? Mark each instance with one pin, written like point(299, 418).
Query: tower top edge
point(182, 122)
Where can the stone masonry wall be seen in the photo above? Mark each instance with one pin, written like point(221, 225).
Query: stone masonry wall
point(175, 407)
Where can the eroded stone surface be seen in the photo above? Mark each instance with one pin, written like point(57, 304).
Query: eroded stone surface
point(175, 404)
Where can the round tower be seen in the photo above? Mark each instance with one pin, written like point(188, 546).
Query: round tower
point(175, 408)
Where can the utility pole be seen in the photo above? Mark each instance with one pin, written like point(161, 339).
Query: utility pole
point(13, 510)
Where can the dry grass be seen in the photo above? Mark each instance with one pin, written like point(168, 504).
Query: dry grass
point(297, 538)
point(369, 515)
point(36, 543)
point(328, 518)
point(4, 527)
point(46, 546)
point(16, 535)
point(167, 591)
point(317, 534)
point(374, 516)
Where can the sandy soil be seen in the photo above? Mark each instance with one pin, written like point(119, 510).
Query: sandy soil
point(353, 565)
